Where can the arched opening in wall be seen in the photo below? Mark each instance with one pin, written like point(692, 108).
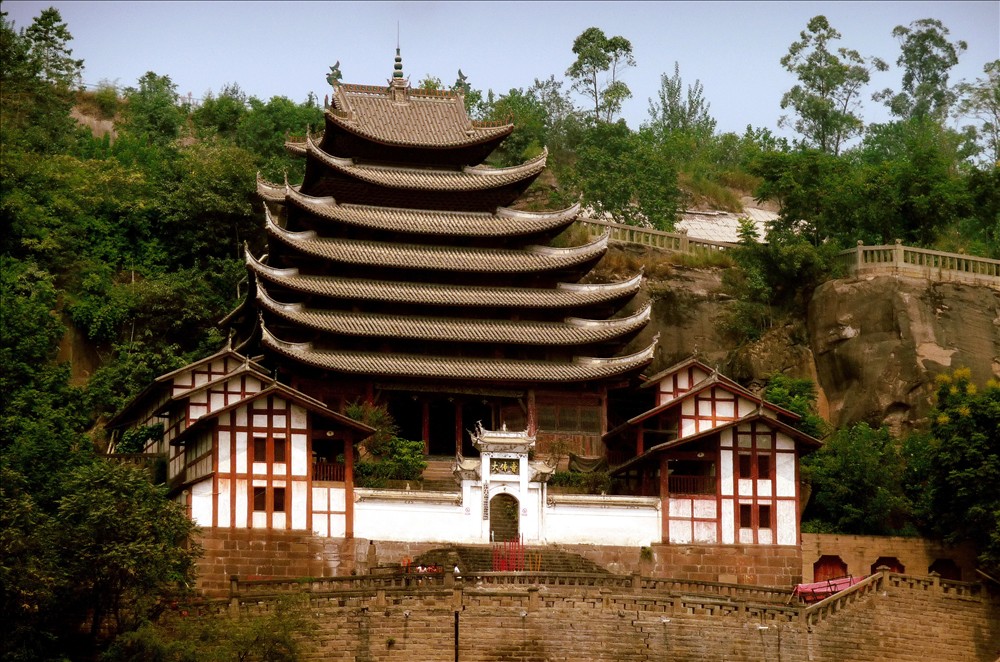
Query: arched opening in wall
point(890, 562)
point(504, 519)
point(947, 568)
point(829, 566)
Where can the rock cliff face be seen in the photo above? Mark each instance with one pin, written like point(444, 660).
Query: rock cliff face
point(873, 346)
point(879, 342)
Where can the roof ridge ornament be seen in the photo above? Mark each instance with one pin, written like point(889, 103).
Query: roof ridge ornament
point(398, 85)
point(333, 78)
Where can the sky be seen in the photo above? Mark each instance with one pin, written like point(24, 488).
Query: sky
point(286, 48)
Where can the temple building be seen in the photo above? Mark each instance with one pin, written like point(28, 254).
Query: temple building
point(399, 272)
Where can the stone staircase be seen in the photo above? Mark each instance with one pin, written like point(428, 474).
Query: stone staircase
point(472, 559)
point(438, 476)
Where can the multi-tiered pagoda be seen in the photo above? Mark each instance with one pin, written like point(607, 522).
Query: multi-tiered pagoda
point(398, 272)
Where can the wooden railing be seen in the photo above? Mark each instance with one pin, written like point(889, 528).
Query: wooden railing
point(921, 263)
point(691, 484)
point(332, 471)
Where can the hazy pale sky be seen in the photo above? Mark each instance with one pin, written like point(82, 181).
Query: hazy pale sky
point(286, 48)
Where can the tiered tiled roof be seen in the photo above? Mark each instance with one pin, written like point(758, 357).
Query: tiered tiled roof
point(571, 331)
point(469, 178)
point(459, 367)
point(531, 259)
point(564, 295)
point(504, 222)
point(399, 256)
point(427, 117)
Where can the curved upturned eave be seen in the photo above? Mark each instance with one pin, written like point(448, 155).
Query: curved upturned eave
point(564, 295)
point(504, 223)
point(271, 192)
point(473, 136)
point(580, 369)
point(469, 178)
point(532, 259)
point(572, 331)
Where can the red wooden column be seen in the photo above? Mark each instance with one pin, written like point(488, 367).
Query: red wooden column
point(532, 414)
point(425, 425)
point(349, 486)
point(664, 501)
point(458, 427)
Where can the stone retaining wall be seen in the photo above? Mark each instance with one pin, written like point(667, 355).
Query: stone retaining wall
point(904, 620)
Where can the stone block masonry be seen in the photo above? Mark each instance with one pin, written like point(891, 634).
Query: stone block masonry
point(901, 619)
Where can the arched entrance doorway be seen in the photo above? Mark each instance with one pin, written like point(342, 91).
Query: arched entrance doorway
point(829, 567)
point(504, 520)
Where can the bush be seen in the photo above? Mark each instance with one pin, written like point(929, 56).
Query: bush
point(403, 460)
point(595, 482)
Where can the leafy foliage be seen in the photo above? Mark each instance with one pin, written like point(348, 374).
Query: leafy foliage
point(827, 97)
point(626, 176)
point(597, 56)
point(272, 637)
point(123, 544)
point(980, 100)
point(926, 56)
point(392, 457)
point(772, 279)
point(964, 465)
point(857, 484)
point(798, 396)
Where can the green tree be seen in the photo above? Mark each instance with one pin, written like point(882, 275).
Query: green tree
point(926, 57)
point(152, 111)
point(48, 38)
point(430, 83)
point(529, 119)
point(826, 101)
point(857, 486)
point(980, 100)
point(265, 127)
point(124, 546)
point(626, 176)
point(964, 482)
point(798, 396)
point(221, 114)
point(677, 112)
point(599, 63)
point(773, 279)
point(36, 75)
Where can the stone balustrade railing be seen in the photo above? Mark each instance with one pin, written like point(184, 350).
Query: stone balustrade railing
point(631, 234)
point(895, 259)
point(898, 259)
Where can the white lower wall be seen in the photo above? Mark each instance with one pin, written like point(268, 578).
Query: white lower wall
point(382, 515)
point(602, 520)
point(201, 503)
point(444, 517)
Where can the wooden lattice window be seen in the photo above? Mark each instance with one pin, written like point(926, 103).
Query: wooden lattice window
point(764, 517)
point(260, 499)
point(260, 449)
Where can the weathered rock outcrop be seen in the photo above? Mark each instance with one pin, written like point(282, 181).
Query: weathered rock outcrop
point(872, 345)
point(879, 342)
